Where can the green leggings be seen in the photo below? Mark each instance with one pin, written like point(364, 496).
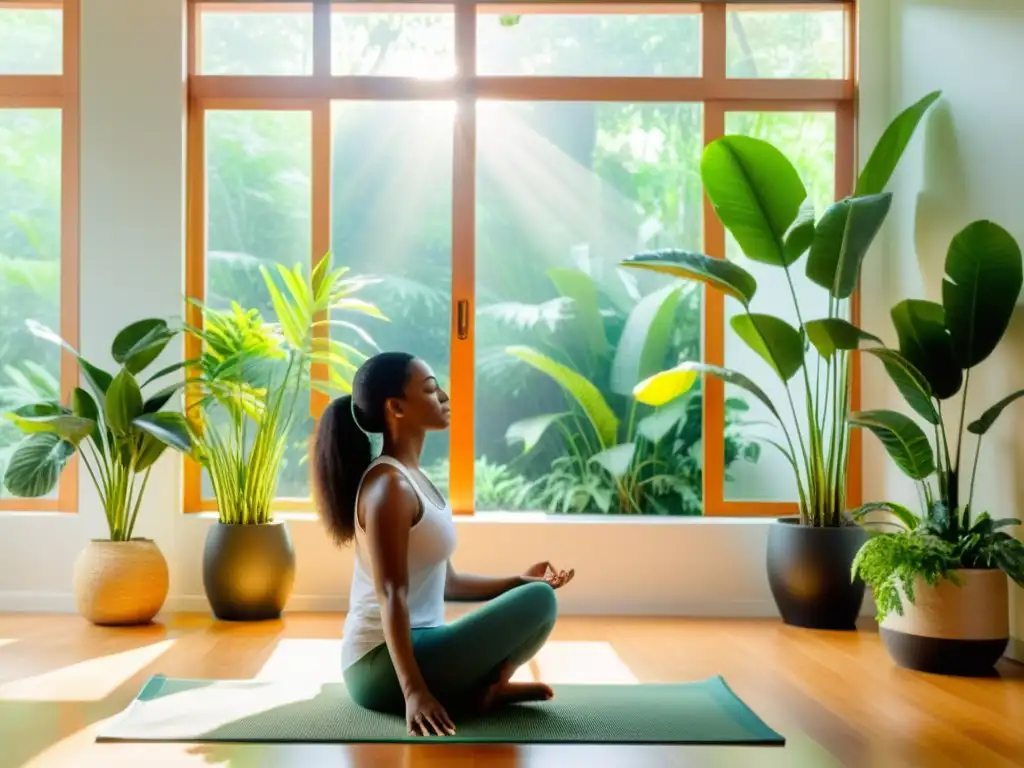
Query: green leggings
point(460, 660)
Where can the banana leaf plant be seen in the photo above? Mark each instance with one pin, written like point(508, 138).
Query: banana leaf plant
point(940, 344)
point(248, 381)
point(117, 427)
point(760, 199)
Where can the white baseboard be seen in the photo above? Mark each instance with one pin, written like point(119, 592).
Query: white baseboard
point(56, 602)
point(37, 602)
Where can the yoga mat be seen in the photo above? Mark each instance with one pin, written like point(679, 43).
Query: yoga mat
point(704, 712)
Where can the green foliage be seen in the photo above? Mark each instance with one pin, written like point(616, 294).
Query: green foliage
point(931, 549)
point(759, 197)
point(618, 456)
point(251, 374)
point(117, 428)
point(939, 345)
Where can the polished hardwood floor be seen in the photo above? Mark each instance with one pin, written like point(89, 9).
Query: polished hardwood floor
point(836, 697)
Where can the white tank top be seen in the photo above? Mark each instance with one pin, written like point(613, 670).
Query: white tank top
point(431, 543)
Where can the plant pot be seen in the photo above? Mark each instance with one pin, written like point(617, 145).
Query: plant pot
point(809, 574)
point(951, 629)
point(248, 570)
point(119, 583)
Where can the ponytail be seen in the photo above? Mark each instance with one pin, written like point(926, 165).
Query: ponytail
point(345, 440)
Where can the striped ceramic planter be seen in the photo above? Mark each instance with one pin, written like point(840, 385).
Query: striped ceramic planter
point(951, 629)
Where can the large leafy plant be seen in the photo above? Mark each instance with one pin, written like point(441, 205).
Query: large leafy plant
point(940, 344)
point(595, 344)
point(118, 426)
point(760, 199)
point(249, 380)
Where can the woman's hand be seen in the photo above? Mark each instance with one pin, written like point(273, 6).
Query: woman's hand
point(547, 573)
point(424, 716)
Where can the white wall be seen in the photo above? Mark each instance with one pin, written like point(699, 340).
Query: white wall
point(968, 167)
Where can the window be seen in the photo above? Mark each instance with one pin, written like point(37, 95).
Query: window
point(490, 165)
point(38, 217)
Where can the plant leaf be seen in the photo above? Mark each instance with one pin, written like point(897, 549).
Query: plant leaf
point(36, 464)
point(580, 289)
point(139, 344)
point(832, 334)
point(655, 426)
point(150, 450)
point(727, 277)
point(983, 279)
point(904, 440)
point(988, 418)
point(756, 193)
point(666, 386)
point(98, 379)
point(777, 342)
point(71, 428)
point(890, 147)
point(167, 427)
point(529, 431)
point(616, 460)
point(645, 338)
point(654, 392)
point(927, 345)
point(582, 390)
point(904, 515)
point(124, 402)
point(842, 239)
point(800, 235)
point(909, 381)
point(161, 398)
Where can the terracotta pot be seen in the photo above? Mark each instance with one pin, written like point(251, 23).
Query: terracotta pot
point(248, 570)
point(120, 583)
point(951, 629)
point(809, 574)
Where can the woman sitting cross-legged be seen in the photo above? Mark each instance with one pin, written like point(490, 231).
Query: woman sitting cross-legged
point(398, 654)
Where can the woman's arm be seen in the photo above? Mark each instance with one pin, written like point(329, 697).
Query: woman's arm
point(467, 587)
point(391, 508)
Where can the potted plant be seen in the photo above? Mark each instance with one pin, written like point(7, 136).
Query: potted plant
point(119, 429)
point(940, 580)
point(760, 199)
point(243, 400)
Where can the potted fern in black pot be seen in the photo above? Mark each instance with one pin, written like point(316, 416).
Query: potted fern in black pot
point(940, 580)
point(761, 200)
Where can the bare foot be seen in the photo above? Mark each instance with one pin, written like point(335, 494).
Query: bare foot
point(503, 692)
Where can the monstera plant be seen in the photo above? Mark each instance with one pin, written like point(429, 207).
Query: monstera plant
point(761, 200)
point(118, 429)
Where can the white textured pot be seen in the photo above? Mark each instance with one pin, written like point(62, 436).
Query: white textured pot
point(120, 582)
point(952, 629)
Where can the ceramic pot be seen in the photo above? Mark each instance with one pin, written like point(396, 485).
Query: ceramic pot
point(248, 570)
point(809, 574)
point(951, 629)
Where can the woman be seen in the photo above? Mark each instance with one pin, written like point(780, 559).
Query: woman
point(397, 652)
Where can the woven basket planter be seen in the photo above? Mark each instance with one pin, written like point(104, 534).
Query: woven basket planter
point(119, 583)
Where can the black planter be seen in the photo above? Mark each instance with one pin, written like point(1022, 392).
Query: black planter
point(809, 574)
point(248, 570)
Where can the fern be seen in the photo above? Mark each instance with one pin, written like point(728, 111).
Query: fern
point(890, 564)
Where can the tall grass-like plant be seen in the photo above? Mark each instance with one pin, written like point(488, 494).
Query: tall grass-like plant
point(250, 377)
point(760, 199)
point(117, 427)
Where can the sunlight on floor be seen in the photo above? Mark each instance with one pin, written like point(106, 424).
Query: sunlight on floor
point(303, 659)
point(89, 680)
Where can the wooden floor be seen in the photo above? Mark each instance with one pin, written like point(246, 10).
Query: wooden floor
point(836, 697)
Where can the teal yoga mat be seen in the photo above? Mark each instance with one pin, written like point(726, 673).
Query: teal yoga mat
point(703, 712)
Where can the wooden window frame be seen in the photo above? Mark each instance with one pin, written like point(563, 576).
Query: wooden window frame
point(57, 92)
point(716, 92)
